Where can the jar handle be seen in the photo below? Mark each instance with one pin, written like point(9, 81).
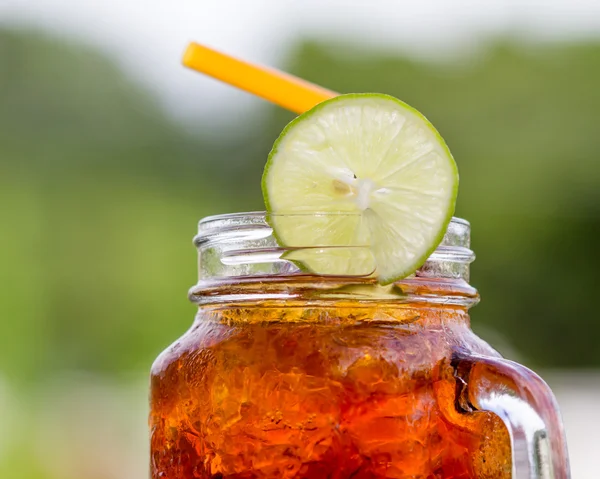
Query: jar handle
point(525, 404)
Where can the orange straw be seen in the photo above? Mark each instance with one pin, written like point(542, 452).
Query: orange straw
point(285, 90)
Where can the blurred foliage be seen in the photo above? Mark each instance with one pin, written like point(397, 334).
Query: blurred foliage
point(101, 192)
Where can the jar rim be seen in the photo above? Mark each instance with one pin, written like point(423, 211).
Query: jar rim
point(263, 215)
point(239, 249)
point(457, 235)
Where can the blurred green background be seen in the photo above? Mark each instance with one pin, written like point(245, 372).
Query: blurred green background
point(101, 191)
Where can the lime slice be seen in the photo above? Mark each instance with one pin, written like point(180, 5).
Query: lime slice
point(361, 184)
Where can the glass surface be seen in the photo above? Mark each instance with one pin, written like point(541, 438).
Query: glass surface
point(284, 374)
point(243, 244)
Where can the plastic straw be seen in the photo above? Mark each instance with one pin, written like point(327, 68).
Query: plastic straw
point(287, 91)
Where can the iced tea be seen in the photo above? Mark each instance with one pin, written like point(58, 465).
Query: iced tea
point(321, 390)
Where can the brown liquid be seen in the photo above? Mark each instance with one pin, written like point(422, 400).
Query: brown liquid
point(299, 392)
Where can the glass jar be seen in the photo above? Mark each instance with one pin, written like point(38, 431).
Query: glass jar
point(284, 374)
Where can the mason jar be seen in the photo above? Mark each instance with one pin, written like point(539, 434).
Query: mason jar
point(286, 374)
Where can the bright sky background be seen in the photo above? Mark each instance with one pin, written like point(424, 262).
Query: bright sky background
point(147, 37)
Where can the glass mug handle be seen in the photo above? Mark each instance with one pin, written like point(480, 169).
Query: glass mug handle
point(525, 404)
